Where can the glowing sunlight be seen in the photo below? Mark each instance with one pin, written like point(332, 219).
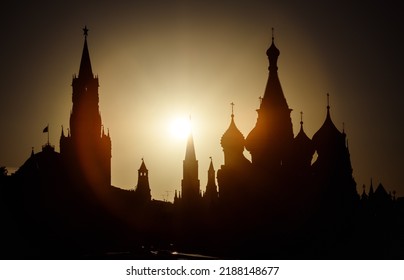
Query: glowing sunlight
point(180, 127)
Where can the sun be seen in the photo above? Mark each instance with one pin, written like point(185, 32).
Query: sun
point(180, 128)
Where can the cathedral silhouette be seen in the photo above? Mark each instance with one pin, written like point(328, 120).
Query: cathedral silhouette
point(283, 204)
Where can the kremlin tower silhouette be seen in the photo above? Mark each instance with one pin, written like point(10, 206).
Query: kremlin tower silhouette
point(87, 149)
point(280, 204)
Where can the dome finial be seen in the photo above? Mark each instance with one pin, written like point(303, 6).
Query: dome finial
point(301, 118)
point(232, 109)
point(328, 101)
point(273, 34)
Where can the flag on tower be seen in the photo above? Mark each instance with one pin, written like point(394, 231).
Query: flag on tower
point(45, 129)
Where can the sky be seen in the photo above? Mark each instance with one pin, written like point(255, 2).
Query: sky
point(158, 61)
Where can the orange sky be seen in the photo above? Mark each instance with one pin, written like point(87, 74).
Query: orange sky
point(158, 61)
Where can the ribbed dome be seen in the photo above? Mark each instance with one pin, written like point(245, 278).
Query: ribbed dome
point(232, 137)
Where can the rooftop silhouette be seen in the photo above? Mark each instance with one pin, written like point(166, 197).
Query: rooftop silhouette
point(62, 204)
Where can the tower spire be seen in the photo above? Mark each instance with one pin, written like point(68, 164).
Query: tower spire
point(190, 183)
point(85, 70)
point(328, 101)
point(190, 151)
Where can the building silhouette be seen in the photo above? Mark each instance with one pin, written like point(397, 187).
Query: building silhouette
point(86, 148)
point(270, 141)
point(235, 172)
point(211, 194)
point(280, 204)
point(143, 187)
point(190, 184)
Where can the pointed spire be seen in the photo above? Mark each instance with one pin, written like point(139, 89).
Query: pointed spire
point(63, 133)
point(190, 151)
point(142, 167)
point(32, 151)
point(85, 71)
point(211, 165)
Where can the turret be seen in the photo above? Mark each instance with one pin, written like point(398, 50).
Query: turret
point(143, 188)
point(211, 194)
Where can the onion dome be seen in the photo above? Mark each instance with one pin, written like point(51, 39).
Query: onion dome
point(328, 133)
point(303, 148)
point(273, 54)
point(232, 138)
point(302, 140)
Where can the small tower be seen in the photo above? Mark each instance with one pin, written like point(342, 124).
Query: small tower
point(143, 188)
point(211, 194)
